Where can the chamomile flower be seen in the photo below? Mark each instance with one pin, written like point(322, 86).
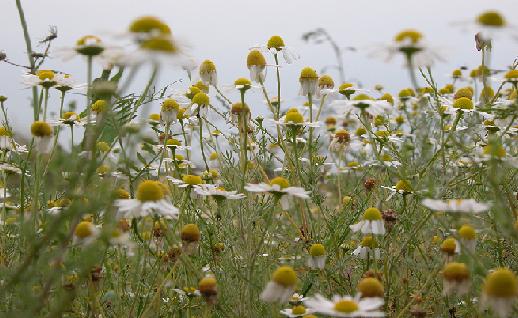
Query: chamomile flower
point(371, 223)
point(317, 256)
point(278, 186)
point(456, 279)
point(169, 111)
point(456, 205)
point(42, 133)
point(88, 46)
point(500, 292)
point(217, 193)
point(275, 45)
point(65, 83)
point(43, 78)
point(308, 80)
point(370, 287)
point(450, 247)
point(361, 103)
point(85, 233)
point(150, 200)
point(281, 286)
point(345, 306)
point(468, 237)
point(490, 24)
point(188, 181)
point(294, 119)
point(256, 64)
point(72, 119)
point(297, 311)
point(208, 73)
point(368, 248)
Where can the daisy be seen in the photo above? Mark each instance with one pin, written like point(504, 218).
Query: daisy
point(275, 45)
point(361, 103)
point(456, 279)
point(345, 306)
point(150, 200)
point(64, 83)
point(188, 181)
point(317, 256)
point(42, 133)
point(88, 45)
point(256, 64)
point(218, 193)
point(85, 233)
point(44, 78)
point(368, 248)
point(500, 292)
point(294, 119)
point(281, 286)
point(169, 111)
point(456, 205)
point(372, 223)
point(208, 73)
point(296, 311)
point(308, 81)
point(370, 287)
point(278, 186)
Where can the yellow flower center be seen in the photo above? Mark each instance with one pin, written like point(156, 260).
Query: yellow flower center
point(147, 24)
point(173, 142)
point(408, 35)
point(83, 229)
point(403, 185)
point(326, 81)
point(466, 92)
point(192, 179)
point(387, 97)
point(467, 232)
point(308, 73)
point(501, 283)
point(169, 104)
point(294, 117)
point(298, 310)
point(239, 107)
point(213, 156)
point(68, 115)
point(4, 131)
point(121, 194)
point(285, 276)
point(99, 106)
point(201, 99)
point(89, 45)
point(448, 246)
point(190, 233)
point(463, 103)
point(275, 42)
point(455, 272)
point(245, 82)
point(346, 306)
point(41, 129)
point(45, 75)
point(280, 181)
point(371, 287)
point(457, 73)
point(207, 67)
point(369, 241)
point(255, 58)
point(88, 40)
point(491, 19)
point(317, 250)
point(149, 190)
point(406, 93)
point(361, 131)
point(372, 214)
point(155, 117)
point(512, 75)
point(159, 44)
point(361, 97)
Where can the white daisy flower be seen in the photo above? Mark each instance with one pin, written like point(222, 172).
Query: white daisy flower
point(360, 103)
point(317, 256)
point(278, 186)
point(85, 233)
point(281, 287)
point(456, 205)
point(368, 249)
point(296, 311)
point(345, 306)
point(372, 223)
point(150, 201)
point(217, 192)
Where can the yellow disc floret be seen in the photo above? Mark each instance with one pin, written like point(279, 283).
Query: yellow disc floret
point(148, 24)
point(149, 190)
point(455, 272)
point(191, 179)
point(275, 42)
point(41, 129)
point(201, 99)
point(190, 233)
point(502, 283)
point(463, 103)
point(317, 249)
point(372, 214)
point(169, 104)
point(411, 35)
point(346, 306)
point(255, 58)
point(467, 232)
point(370, 287)
point(280, 181)
point(285, 276)
point(83, 229)
point(491, 19)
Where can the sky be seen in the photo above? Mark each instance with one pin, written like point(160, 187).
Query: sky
point(223, 31)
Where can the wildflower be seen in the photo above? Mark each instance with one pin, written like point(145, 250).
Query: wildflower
point(85, 233)
point(368, 248)
point(150, 200)
point(450, 247)
point(295, 120)
point(456, 279)
point(42, 133)
point(345, 306)
point(169, 111)
point(44, 78)
point(208, 289)
point(317, 256)
point(219, 193)
point(468, 235)
point(308, 81)
point(276, 44)
point(297, 311)
point(188, 181)
point(360, 103)
point(370, 287)
point(200, 103)
point(256, 63)
point(372, 223)
point(278, 186)
point(64, 83)
point(500, 291)
point(281, 286)
point(208, 73)
point(456, 205)
point(88, 45)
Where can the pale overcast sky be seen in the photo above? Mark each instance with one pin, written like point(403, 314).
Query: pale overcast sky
point(224, 30)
